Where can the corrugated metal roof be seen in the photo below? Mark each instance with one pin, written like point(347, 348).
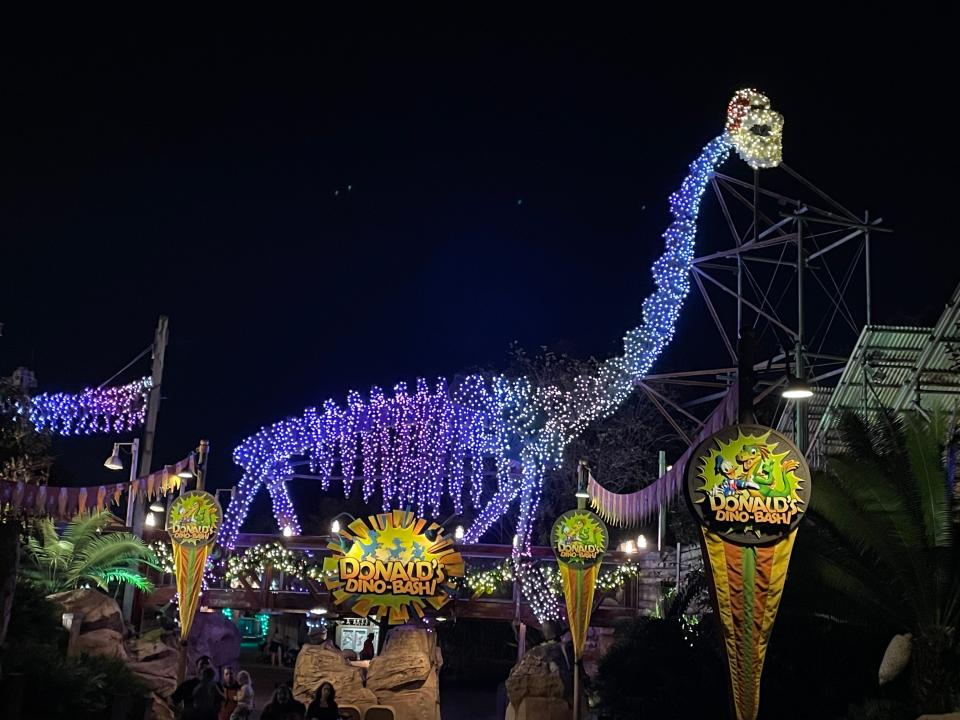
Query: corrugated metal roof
point(892, 367)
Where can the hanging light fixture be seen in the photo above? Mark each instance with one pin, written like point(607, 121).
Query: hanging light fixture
point(151, 520)
point(334, 527)
point(458, 533)
point(642, 542)
point(114, 462)
point(157, 506)
point(796, 389)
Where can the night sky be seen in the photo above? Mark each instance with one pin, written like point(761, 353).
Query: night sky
point(325, 208)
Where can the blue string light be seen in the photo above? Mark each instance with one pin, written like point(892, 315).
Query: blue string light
point(94, 410)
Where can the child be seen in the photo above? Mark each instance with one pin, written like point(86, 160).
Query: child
point(244, 708)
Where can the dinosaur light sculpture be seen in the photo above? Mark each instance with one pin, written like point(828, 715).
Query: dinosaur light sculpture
point(415, 447)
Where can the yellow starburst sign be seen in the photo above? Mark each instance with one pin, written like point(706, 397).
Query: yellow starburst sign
point(392, 563)
point(748, 483)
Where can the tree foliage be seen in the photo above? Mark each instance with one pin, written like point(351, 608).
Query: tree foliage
point(84, 555)
point(882, 546)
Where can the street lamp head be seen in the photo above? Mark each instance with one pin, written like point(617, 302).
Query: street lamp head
point(334, 527)
point(151, 520)
point(156, 506)
point(186, 474)
point(458, 533)
point(796, 389)
point(114, 462)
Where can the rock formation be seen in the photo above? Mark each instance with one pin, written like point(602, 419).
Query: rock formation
point(540, 685)
point(317, 664)
point(406, 674)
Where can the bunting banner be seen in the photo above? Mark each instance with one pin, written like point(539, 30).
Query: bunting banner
point(63, 503)
point(579, 539)
point(633, 509)
point(193, 523)
point(749, 487)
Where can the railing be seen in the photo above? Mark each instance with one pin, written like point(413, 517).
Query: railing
point(637, 595)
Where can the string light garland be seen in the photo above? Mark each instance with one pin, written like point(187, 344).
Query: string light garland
point(116, 409)
point(255, 560)
point(417, 446)
point(491, 580)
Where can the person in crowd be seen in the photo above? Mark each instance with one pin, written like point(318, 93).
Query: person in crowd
point(324, 707)
point(283, 706)
point(244, 708)
point(207, 696)
point(276, 648)
point(230, 686)
point(367, 652)
point(183, 696)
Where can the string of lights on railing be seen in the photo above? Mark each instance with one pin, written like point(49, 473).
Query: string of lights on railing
point(255, 560)
point(492, 580)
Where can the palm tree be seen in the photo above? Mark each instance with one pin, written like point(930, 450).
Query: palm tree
point(886, 542)
point(85, 555)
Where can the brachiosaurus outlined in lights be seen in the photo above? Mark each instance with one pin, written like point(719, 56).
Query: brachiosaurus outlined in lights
point(417, 447)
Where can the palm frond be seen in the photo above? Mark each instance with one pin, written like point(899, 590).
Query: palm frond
point(923, 450)
point(103, 578)
point(110, 550)
point(868, 536)
point(83, 528)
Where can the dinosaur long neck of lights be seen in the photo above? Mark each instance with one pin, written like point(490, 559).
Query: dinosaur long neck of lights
point(415, 447)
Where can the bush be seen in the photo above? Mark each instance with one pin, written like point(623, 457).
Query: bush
point(56, 686)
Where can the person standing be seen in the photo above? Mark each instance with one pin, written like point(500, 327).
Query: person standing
point(276, 648)
point(244, 708)
point(207, 697)
point(283, 706)
point(183, 695)
point(230, 686)
point(367, 652)
point(324, 707)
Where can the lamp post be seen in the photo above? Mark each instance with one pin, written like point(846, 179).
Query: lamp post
point(115, 462)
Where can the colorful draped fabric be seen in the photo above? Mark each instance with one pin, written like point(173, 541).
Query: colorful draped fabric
point(62, 503)
point(747, 583)
point(188, 564)
point(632, 509)
point(578, 588)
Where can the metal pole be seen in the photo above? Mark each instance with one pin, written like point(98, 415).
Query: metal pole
point(678, 567)
point(135, 456)
point(866, 262)
point(146, 457)
point(800, 406)
point(662, 517)
point(576, 690)
point(745, 375)
point(202, 455)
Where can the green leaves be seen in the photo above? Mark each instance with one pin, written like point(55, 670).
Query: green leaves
point(85, 556)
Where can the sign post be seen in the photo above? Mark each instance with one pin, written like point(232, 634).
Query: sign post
point(193, 522)
point(579, 539)
point(749, 487)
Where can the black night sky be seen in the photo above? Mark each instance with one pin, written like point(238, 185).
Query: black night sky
point(321, 207)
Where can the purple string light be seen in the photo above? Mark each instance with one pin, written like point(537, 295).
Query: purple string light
point(95, 410)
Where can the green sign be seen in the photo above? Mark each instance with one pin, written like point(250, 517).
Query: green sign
point(194, 519)
point(749, 484)
point(579, 539)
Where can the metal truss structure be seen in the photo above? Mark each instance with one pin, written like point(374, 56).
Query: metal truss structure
point(783, 258)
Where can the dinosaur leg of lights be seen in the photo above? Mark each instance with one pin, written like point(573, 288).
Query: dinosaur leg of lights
point(540, 598)
point(495, 509)
point(238, 508)
point(283, 507)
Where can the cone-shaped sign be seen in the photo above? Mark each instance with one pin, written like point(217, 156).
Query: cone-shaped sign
point(579, 540)
point(192, 523)
point(749, 487)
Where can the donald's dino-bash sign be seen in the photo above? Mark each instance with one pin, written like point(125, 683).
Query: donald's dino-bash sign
point(749, 487)
point(390, 563)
